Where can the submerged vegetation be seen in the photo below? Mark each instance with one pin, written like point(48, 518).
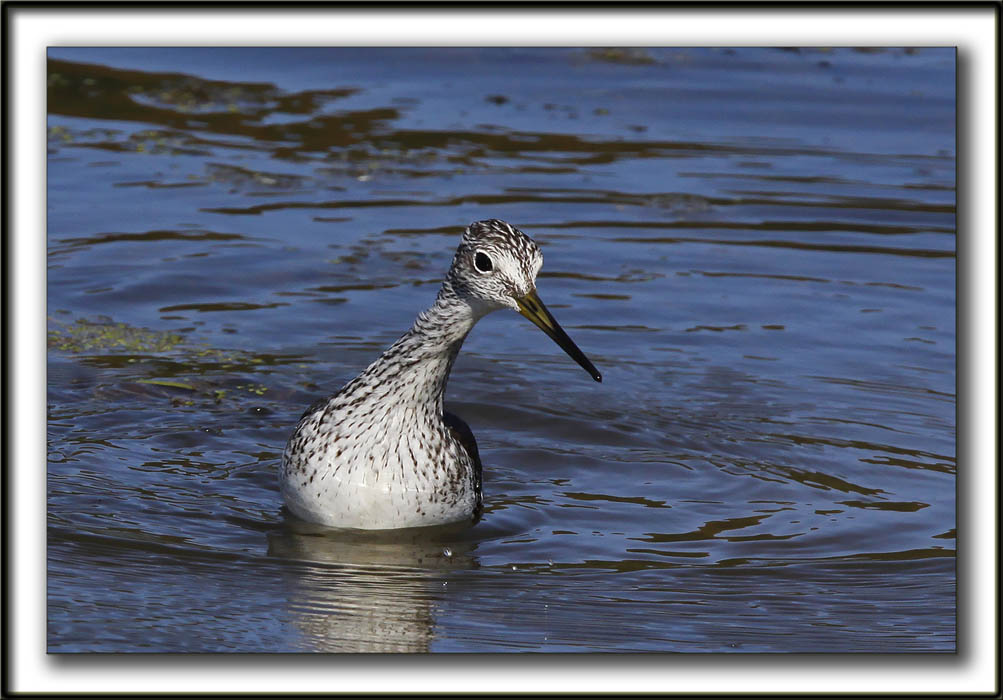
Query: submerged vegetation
point(170, 361)
point(88, 336)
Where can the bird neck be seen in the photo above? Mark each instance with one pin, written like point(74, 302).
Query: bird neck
point(444, 326)
point(418, 364)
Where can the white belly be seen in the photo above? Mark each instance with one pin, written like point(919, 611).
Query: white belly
point(386, 476)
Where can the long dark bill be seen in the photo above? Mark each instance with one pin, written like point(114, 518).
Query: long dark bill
point(532, 308)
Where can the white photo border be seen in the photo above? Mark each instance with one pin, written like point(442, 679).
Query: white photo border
point(973, 28)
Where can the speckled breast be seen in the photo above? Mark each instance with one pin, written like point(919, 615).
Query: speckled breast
point(393, 473)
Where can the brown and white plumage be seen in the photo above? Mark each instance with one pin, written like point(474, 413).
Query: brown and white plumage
point(381, 453)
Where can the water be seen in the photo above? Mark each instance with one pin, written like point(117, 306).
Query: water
point(756, 248)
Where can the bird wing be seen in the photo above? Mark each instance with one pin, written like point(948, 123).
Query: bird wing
point(462, 433)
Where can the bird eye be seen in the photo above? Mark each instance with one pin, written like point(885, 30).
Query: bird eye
point(482, 262)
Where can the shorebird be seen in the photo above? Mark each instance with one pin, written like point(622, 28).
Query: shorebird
point(381, 453)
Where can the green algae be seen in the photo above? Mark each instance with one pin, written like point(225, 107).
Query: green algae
point(170, 364)
point(85, 336)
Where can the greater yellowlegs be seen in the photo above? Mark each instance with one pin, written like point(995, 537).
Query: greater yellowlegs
point(381, 453)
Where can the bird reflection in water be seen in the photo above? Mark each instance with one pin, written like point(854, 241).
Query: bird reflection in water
point(367, 591)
